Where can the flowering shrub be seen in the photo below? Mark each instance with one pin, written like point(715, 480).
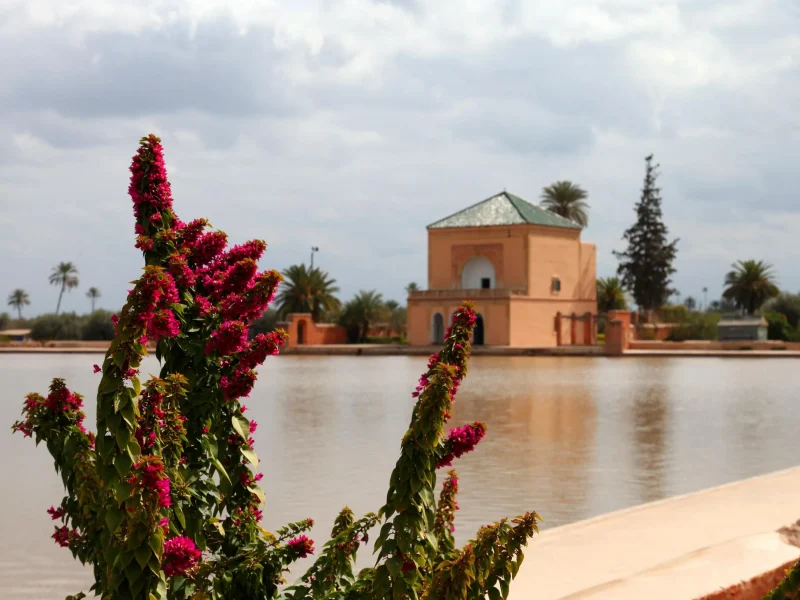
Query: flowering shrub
point(164, 502)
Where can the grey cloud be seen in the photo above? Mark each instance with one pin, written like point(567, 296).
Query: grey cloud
point(214, 69)
point(360, 168)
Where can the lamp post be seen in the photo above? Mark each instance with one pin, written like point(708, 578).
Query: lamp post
point(314, 249)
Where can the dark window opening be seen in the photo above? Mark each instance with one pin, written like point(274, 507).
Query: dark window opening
point(478, 332)
point(486, 283)
point(556, 284)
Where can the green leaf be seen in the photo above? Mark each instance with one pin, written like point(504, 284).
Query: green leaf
point(427, 495)
point(432, 540)
point(494, 593)
point(119, 357)
point(128, 415)
point(250, 455)
point(241, 425)
point(218, 466)
point(157, 543)
point(114, 518)
point(123, 437)
point(504, 587)
point(122, 464)
point(137, 386)
point(219, 526)
point(179, 515)
point(134, 450)
point(258, 492)
point(142, 554)
point(109, 384)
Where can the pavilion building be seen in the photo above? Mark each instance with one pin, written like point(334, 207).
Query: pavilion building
point(525, 268)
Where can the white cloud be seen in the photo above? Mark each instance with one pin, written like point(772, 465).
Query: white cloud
point(351, 124)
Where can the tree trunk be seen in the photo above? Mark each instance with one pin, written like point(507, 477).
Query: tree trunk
point(19, 311)
point(93, 304)
point(60, 294)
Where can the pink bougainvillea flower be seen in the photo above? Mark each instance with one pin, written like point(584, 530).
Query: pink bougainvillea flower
point(460, 441)
point(55, 513)
point(302, 545)
point(180, 555)
point(96, 368)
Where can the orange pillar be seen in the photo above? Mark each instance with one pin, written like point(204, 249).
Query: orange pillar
point(558, 329)
point(624, 316)
point(588, 331)
point(572, 323)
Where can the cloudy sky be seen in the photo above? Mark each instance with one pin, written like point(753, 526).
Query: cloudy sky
point(351, 124)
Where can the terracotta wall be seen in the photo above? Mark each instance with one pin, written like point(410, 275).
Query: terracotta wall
point(587, 288)
point(495, 313)
point(314, 334)
point(449, 250)
point(534, 321)
point(558, 253)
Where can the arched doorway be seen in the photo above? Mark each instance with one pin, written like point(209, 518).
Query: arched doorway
point(478, 273)
point(478, 332)
point(301, 332)
point(437, 329)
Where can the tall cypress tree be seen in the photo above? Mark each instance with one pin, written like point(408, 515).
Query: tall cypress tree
point(646, 265)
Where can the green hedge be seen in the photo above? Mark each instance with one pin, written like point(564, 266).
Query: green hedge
point(70, 326)
point(694, 326)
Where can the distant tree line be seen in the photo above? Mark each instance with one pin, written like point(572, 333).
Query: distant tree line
point(96, 326)
point(311, 290)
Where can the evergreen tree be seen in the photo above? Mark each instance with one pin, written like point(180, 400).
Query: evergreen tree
point(646, 265)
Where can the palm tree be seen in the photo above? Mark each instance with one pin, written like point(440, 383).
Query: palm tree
point(17, 299)
point(397, 316)
point(750, 284)
point(93, 294)
point(610, 295)
point(412, 287)
point(690, 303)
point(359, 313)
point(64, 274)
point(307, 290)
point(567, 200)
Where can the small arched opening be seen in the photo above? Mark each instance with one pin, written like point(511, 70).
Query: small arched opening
point(478, 273)
point(301, 332)
point(478, 333)
point(437, 329)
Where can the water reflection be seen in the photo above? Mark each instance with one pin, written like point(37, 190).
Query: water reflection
point(650, 420)
point(568, 437)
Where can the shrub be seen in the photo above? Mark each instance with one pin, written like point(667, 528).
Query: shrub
point(695, 326)
point(778, 327)
point(674, 314)
point(68, 326)
point(266, 323)
point(788, 305)
point(5, 321)
point(98, 326)
point(647, 334)
point(164, 501)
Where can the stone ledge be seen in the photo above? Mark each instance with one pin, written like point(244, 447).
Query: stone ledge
point(688, 537)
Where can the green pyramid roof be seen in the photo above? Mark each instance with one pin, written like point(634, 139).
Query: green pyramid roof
point(503, 209)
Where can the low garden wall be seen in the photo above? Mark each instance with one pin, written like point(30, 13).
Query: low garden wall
point(712, 345)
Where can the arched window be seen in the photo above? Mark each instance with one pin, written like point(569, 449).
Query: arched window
point(478, 273)
point(437, 329)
